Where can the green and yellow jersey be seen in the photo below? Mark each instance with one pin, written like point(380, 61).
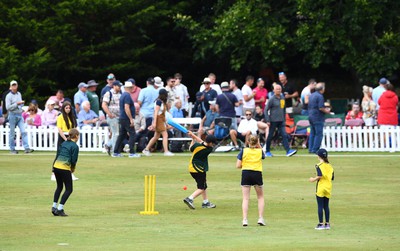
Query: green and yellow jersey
point(67, 156)
point(251, 159)
point(199, 161)
point(324, 184)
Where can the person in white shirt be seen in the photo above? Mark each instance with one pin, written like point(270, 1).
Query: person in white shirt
point(233, 85)
point(305, 95)
point(249, 103)
point(213, 85)
point(182, 92)
point(246, 128)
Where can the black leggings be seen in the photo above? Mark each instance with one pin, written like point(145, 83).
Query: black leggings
point(63, 177)
point(323, 205)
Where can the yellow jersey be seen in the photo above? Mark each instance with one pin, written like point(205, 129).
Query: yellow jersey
point(62, 125)
point(324, 184)
point(251, 159)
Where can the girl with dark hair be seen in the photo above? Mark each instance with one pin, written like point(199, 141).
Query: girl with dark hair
point(159, 124)
point(64, 166)
point(324, 178)
point(65, 122)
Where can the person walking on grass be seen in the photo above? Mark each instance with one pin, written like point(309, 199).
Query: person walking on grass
point(250, 161)
point(64, 166)
point(275, 117)
point(198, 167)
point(126, 123)
point(325, 175)
point(159, 124)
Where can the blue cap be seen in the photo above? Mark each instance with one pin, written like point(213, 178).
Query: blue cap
point(162, 91)
point(383, 81)
point(82, 84)
point(322, 153)
point(131, 80)
point(116, 82)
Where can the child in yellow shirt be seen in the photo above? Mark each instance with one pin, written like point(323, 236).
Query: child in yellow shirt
point(324, 178)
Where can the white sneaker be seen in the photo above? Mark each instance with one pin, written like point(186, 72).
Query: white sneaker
point(53, 177)
point(169, 154)
point(126, 148)
point(134, 155)
point(245, 223)
point(261, 222)
point(73, 177)
point(146, 152)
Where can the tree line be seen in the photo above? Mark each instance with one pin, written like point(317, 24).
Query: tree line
point(48, 45)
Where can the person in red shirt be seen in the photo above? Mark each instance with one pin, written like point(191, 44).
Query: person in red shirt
point(388, 104)
point(355, 112)
point(260, 93)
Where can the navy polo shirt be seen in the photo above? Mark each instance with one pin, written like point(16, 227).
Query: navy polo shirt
point(126, 99)
point(315, 102)
point(226, 108)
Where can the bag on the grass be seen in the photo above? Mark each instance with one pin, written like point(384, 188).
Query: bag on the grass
point(141, 144)
point(176, 146)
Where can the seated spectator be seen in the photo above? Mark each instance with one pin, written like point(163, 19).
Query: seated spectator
point(207, 122)
point(87, 117)
point(176, 110)
point(198, 108)
point(246, 127)
point(328, 107)
point(261, 124)
point(39, 111)
point(355, 112)
point(31, 116)
point(58, 99)
point(49, 115)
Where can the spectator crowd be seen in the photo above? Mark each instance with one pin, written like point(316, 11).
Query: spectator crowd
point(137, 117)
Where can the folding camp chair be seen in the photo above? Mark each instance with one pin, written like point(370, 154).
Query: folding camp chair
point(300, 134)
point(333, 122)
point(354, 122)
point(221, 131)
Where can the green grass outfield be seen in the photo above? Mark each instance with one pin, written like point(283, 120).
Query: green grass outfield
point(104, 207)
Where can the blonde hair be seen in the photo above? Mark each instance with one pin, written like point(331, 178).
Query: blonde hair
point(253, 141)
point(73, 133)
point(367, 89)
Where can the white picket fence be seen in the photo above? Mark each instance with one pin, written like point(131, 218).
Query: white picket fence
point(339, 139)
point(45, 139)
point(367, 139)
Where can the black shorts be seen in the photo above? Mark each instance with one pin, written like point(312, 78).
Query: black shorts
point(241, 137)
point(251, 178)
point(201, 180)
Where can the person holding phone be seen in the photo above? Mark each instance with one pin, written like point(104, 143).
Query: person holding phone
point(14, 105)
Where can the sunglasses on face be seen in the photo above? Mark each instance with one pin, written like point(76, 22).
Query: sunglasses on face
point(248, 114)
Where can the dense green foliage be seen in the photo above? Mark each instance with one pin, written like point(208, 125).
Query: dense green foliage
point(362, 36)
point(59, 44)
point(46, 45)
